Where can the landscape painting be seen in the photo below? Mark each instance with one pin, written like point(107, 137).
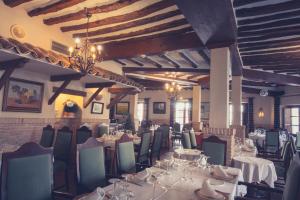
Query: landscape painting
point(122, 108)
point(23, 96)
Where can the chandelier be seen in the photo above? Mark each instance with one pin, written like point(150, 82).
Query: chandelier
point(173, 89)
point(84, 55)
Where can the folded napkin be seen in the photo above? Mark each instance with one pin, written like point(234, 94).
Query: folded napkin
point(247, 148)
point(143, 175)
point(208, 191)
point(98, 194)
point(220, 172)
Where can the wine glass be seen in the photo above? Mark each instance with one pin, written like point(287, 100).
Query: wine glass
point(115, 182)
point(153, 180)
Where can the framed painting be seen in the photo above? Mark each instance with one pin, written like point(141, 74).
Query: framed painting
point(159, 107)
point(204, 111)
point(23, 96)
point(97, 108)
point(122, 108)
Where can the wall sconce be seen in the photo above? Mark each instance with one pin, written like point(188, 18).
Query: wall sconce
point(261, 113)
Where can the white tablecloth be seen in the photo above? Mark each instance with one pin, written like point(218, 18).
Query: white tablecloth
point(256, 169)
point(187, 154)
point(180, 189)
point(110, 140)
point(260, 138)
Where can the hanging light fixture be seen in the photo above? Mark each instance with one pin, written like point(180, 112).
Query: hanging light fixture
point(261, 113)
point(173, 89)
point(84, 55)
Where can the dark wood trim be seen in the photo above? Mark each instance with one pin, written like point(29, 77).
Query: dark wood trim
point(135, 62)
point(131, 24)
point(148, 69)
point(99, 85)
point(169, 60)
point(262, 52)
point(58, 91)
point(151, 61)
point(119, 62)
point(189, 60)
point(55, 7)
point(117, 99)
point(96, 93)
point(238, 3)
point(16, 63)
point(152, 29)
point(121, 90)
point(115, 19)
point(14, 3)
point(65, 77)
point(204, 56)
point(5, 76)
point(71, 92)
point(257, 91)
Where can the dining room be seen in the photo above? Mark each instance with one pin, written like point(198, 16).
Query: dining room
point(149, 100)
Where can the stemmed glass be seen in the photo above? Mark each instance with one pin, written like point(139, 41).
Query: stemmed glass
point(114, 181)
point(153, 180)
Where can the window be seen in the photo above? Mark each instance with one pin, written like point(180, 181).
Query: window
point(295, 120)
point(140, 111)
point(182, 112)
point(231, 113)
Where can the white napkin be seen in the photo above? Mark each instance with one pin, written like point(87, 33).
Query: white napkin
point(98, 194)
point(208, 191)
point(247, 148)
point(143, 175)
point(220, 172)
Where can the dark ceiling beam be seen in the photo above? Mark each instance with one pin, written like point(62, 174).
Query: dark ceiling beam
point(99, 85)
point(267, 9)
point(148, 69)
point(64, 77)
point(262, 52)
point(81, 14)
point(136, 62)
point(210, 18)
point(276, 67)
point(115, 19)
point(287, 70)
point(59, 91)
point(259, 84)
point(205, 57)
point(189, 60)
point(153, 29)
point(277, 16)
point(271, 77)
point(54, 7)
point(119, 62)
point(152, 45)
point(117, 99)
point(238, 3)
point(169, 60)
point(276, 57)
point(131, 24)
point(121, 90)
point(14, 3)
point(257, 91)
point(193, 76)
point(94, 95)
point(276, 32)
point(151, 61)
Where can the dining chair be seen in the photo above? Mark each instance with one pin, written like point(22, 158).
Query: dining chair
point(156, 146)
point(176, 133)
point(101, 130)
point(143, 153)
point(291, 191)
point(187, 127)
point(90, 161)
point(125, 155)
point(27, 174)
point(165, 128)
point(215, 149)
point(47, 136)
point(186, 140)
point(61, 152)
point(82, 134)
point(298, 141)
point(272, 142)
point(193, 139)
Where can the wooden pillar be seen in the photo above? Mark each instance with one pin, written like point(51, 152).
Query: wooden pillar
point(236, 97)
point(276, 112)
point(147, 100)
point(133, 99)
point(196, 107)
point(250, 114)
point(172, 111)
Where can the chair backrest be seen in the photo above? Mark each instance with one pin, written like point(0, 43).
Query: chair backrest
point(176, 127)
point(157, 142)
point(27, 173)
point(143, 154)
point(47, 136)
point(187, 127)
point(82, 134)
point(283, 150)
point(125, 155)
point(90, 166)
point(292, 183)
point(293, 145)
point(165, 129)
point(101, 130)
point(215, 149)
point(62, 146)
point(298, 140)
point(272, 141)
point(186, 140)
point(193, 139)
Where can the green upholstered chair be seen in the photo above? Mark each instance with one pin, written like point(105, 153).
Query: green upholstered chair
point(143, 153)
point(298, 141)
point(82, 134)
point(165, 129)
point(101, 130)
point(90, 166)
point(47, 136)
point(176, 133)
point(61, 152)
point(187, 127)
point(156, 146)
point(272, 142)
point(186, 140)
point(125, 155)
point(215, 149)
point(193, 139)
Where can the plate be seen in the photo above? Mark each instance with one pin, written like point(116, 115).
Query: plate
point(204, 197)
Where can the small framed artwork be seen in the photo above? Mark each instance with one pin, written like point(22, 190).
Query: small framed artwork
point(159, 107)
point(97, 108)
point(23, 96)
point(122, 108)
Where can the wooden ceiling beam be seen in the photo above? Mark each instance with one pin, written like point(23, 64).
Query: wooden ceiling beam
point(121, 90)
point(119, 62)
point(169, 60)
point(157, 70)
point(276, 57)
point(193, 76)
point(59, 91)
point(271, 77)
point(262, 52)
point(131, 24)
point(115, 19)
point(99, 85)
point(205, 57)
point(270, 44)
point(64, 77)
point(94, 95)
point(255, 83)
point(81, 14)
point(267, 9)
point(153, 29)
point(257, 91)
point(189, 60)
point(238, 3)
point(54, 7)
point(276, 67)
point(14, 3)
point(116, 100)
point(151, 45)
point(151, 61)
point(136, 62)
point(277, 31)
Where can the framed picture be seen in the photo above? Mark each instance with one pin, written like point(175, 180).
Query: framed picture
point(23, 96)
point(97, 108)
point(204, 111)
point(122, 108)
point(159, 107)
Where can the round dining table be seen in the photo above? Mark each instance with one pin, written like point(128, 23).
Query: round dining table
point(187, 154)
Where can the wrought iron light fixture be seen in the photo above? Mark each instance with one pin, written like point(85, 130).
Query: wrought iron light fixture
point(84, 55)
point(173, 89)
point(261, 113)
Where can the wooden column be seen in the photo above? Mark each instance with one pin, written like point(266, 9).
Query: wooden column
point(236, 97)
point(196, 107)
point(172, 111)
point(250, 114)
point(276, 112)
point(147, 100)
